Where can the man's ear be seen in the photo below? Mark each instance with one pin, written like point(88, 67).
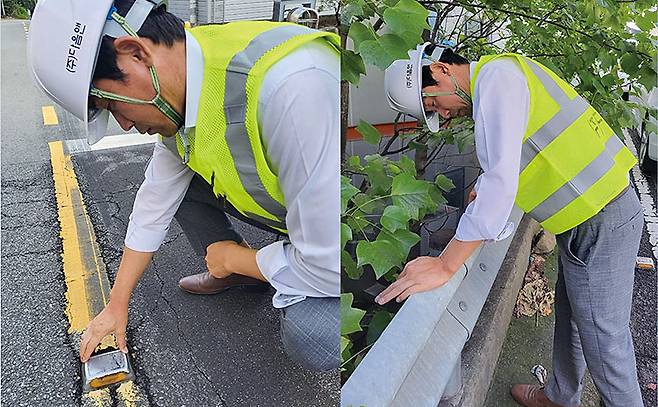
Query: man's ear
point(439, 68)
point(134, 48)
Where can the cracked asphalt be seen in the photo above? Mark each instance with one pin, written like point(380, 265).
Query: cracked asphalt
point(187, 350)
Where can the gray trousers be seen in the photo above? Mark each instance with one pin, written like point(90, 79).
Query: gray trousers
point(310, 328)
point(593, 297)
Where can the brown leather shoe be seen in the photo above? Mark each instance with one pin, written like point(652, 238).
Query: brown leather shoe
point(205, 283)
point(531, 395)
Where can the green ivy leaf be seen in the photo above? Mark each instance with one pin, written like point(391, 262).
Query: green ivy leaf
point(350, 318)
point(349, 266)
point(377, 324)
point(351, 66)
point(630, 63)
point(379, 180)
point(606, 58)
point(410, 194)
point(393, 168)
point(345, 235)
point(444, 183)
point(345, 343)
point(366, 203)
point(464, 139)
point(402, 239)
point(647, 76)
point(383, 51)
point(347, 191)
point(407, 19)
point(354, 163)
point(395, 218)
point(437, 196)
point(494, 3)
point(369, 132)
point(359, 32)
point(358, 222)
point(647, 21)
point(382, 255)
point(408, 165)
point(352, 9)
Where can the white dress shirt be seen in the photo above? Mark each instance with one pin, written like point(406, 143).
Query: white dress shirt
point(501, 101)
point(298, 117)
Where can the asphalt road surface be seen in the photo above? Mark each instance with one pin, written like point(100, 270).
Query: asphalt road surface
point(221, 350)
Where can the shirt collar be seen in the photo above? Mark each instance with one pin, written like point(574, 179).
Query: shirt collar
point(194, 66)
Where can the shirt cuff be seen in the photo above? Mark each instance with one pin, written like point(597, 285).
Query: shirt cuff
point(470, 229)
point(143, 239)
point(272, 261)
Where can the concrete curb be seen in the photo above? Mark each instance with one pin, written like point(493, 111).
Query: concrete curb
point(481, 352)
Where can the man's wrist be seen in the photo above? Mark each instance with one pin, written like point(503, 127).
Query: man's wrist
point(119, 300)
point(449, 268)
point(230, 260)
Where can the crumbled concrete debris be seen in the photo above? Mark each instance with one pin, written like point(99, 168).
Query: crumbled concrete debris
point(545, 243)
point(535, 298)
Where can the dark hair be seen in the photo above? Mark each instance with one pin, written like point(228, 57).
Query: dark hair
point(160, 27)
point(448, 57)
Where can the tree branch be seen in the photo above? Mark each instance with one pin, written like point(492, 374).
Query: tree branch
point(534, 18)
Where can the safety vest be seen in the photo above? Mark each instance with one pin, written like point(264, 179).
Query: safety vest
point(572, 163)
point(225, 147)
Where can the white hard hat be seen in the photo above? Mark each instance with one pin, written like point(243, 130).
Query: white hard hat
point(403, 85)
point(63, 45)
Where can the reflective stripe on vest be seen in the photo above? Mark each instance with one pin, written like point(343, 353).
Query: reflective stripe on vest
point(226, 148)
point(570, 111)
point(235, 104)
point(580, 183)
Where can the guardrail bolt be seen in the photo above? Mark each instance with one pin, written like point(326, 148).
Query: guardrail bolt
point(483, 267)
point(463, 306)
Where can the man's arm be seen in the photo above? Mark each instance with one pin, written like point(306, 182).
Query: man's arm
point(166, 181)
point(227, 257)
point(114, 317)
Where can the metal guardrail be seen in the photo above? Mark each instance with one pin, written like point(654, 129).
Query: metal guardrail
point(417, 359)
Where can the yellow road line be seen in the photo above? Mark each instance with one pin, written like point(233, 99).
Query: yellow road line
point(66, 185)
point(49, 115)
point(84, 270)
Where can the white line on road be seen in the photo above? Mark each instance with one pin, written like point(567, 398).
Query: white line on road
point(110, 142)
point(646, 199)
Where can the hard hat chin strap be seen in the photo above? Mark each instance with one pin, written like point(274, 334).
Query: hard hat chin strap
point(158, 101)
point(458, 91)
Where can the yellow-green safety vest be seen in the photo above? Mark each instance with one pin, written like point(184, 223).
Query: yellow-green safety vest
point(572, 163)
point(226, 147)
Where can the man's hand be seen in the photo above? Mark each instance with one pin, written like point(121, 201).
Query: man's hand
point(218, 255)
point(471, 196)
point(112, 320)
point(421, 274)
